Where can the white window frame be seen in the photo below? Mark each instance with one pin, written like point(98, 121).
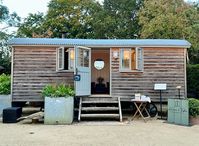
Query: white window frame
point(58, 68)
point(121, 57)
point(58, 59)
point(130, 69)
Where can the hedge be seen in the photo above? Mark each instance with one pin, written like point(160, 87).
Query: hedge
point(193, 80)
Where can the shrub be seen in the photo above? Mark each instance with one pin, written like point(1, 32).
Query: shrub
point(193, 107)
point(193, 80)
point(49, 91)
point(5, 84)
point(58, 91)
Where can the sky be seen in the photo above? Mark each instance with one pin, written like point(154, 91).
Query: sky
point(24, 7)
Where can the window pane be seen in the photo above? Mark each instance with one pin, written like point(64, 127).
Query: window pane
point(140, 61)
point(80, 57)
point(133, 59)
point(126, 59)
point(71, 57)
point(60, 58)
point(86, 58)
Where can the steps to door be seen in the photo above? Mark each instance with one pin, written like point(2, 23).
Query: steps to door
point(99, 108)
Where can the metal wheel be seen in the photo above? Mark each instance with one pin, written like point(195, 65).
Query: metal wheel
point(152, 109)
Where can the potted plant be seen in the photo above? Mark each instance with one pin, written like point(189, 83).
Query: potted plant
point(58, 104)
point(194, 111)
point(5, 98)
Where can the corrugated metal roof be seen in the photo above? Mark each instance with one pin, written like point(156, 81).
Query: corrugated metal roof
point(99, 42)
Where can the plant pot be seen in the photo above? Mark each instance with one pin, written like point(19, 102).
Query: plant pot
point(5, 101)
point(194, 120)
point(58, 110)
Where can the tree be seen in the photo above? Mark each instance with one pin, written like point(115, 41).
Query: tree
point(32, 26)
point(192, 15)
point(85, 19)
point(119, 19)
point(172, 19)
point(72, 17)
point(6, 20)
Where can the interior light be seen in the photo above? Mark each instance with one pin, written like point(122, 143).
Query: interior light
point(126, 55)
point(72, 54)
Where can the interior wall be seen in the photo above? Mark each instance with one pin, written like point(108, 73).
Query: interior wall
point(105, 72)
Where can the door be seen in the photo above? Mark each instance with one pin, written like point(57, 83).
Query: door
point(83, 71)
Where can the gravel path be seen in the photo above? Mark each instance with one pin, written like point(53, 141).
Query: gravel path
point(135, 133)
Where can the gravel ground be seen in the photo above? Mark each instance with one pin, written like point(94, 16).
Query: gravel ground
point(135, 133)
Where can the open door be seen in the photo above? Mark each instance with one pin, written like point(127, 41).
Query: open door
point(82, 71)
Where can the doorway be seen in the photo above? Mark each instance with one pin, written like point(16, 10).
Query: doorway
point(100, 71)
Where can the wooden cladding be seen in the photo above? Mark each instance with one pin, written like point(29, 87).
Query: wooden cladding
point(161, 65)
point(33, 68)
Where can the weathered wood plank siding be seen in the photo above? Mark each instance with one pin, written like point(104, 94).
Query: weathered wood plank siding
point(33, 68)
point(161, 65)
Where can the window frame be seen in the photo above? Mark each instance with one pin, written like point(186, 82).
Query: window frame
point(130, 60)
point(61, 69)
point(121, 58)
point(58, 58)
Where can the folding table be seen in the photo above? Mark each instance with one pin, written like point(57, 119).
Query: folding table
point(140, 107)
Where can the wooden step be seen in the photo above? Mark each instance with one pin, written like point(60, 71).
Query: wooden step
point(93, 102)
point(100, 116)
point(100, 108)
point(99, 99)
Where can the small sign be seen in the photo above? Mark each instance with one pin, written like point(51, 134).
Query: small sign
point(77, 77)
point(160, 86)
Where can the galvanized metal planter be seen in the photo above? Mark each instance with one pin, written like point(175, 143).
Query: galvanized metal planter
point(5, 101)
point(178, 111)
point(58, 110)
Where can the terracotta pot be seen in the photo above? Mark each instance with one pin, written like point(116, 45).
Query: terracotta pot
point(194, 120)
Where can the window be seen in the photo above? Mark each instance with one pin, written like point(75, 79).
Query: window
point(65, 58)
point(131, 59)
point(83, 58)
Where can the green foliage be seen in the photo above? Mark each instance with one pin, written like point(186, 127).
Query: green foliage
point(5, 58)
point(163, 19)
point(171, 19)
point(84, 19)
point(193, 80)
point(193, 107)
point(3, 13)
point(49, 91)
point(8, 20)
point(5, 84)
point(120, 19)
point(32, 26)
point(64, 91)
point(58, 91)
point(72, 18)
